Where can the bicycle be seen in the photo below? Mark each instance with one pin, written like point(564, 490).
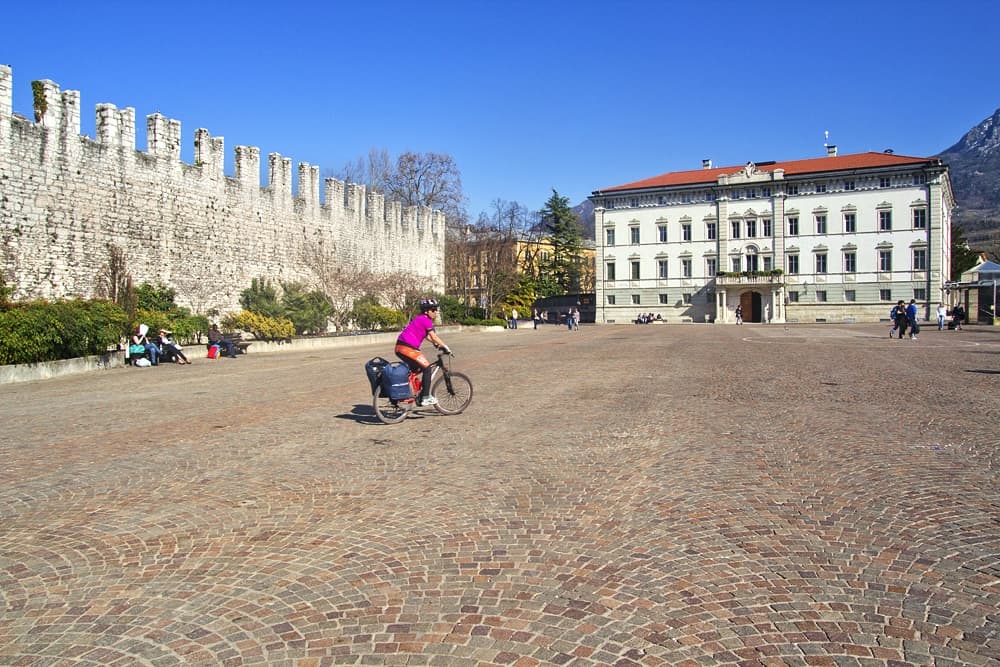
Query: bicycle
point(453, 391)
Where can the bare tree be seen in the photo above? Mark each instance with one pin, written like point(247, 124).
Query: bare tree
point(371, 171)
point(427, 179)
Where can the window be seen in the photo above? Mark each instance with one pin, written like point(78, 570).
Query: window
point(661, 233)
point(686, 232)
point(885, 295)
point(765, 192)
point(609, 237)
point(821, 187)
point(920, 293)
point(766, 224)
point(849, 295)
point(885, 221)
point(820, 295)
point(710, 231)
point(821, 224)
point(633, 233)
point(686, 297)
point(793, 189)
point(661, 269)
point(736, 263)
point(920, 218)
point(710, 267)
point(793, 226)
point(664, 299)
point(848, 185)
point(634, 269)
point(609, 271)
point(850, 223)
point(883, 182)
point(611, 299)
point(793, 296)
point(885, 260)
point(793, 264)
point(850, 262)
point(768, 263)
point(635, 299)
point(821, 263)
point(734, 227)
point(686, 268)
point(751, 228)
point(919, 259)
point(634, 202)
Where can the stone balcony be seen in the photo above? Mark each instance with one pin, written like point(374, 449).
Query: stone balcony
point(747, 279)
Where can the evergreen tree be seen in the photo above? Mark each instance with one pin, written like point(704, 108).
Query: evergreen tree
point(564, 235)
point(963, 257)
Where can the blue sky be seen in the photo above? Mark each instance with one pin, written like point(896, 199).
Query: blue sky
point(526, 96)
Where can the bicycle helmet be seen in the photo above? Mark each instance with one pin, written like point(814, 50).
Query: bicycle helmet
point(428, 304)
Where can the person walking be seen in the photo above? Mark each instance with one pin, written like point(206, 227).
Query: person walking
point(535, 318)
point(513, 318)
point(739, 314)
point(942, 313)
point(576, 319)
point(901, 320)
point(957, 315)
point(911, 319)
point(894, 316)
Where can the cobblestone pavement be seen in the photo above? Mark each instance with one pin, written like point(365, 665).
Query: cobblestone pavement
point(631, 495)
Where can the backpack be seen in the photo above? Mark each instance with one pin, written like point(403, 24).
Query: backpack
point(892, 313)
point(396, 381)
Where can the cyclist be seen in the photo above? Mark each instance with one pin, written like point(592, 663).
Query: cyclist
point(409, 342)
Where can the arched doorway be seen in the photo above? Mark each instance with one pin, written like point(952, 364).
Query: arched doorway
point(752, 304)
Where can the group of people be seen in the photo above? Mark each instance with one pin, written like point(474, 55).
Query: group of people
point(156, 348)
point(648, 318)
point(164, 347)
point(904, 317)
point(957, 316)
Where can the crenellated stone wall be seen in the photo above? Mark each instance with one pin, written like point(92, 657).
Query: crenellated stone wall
point(64, 198)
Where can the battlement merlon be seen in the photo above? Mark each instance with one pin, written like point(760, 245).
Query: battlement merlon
point(309, 185)
point(116, 127)
point(209, 154)
point(163, 137)
point(246, 168)
point(6, 106)
point(279, 177)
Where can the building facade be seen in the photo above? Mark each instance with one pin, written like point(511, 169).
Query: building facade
point(838, 238)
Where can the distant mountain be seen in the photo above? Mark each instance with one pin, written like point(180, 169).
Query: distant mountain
point(974, 165)
point(585, 214)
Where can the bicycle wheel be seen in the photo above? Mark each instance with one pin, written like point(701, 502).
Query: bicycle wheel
point(453, 396)
point(388, 411)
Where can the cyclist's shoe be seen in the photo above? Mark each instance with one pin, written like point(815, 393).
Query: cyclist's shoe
point(428, 400)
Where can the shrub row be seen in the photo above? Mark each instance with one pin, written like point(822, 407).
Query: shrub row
point(36, 331)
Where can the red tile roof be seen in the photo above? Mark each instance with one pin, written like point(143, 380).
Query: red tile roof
point(791, 167)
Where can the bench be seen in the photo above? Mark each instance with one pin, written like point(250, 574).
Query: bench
point(236, 339)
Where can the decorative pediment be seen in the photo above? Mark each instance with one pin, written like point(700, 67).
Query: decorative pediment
point(792, 250)
point(749, 213)
point(884, 245)
point(820, 248)
point(918, 203)
point(633, 221)
point(919, 243)
point(849, 208)
point(820, 210)
point(661, 219)
point(884, 204)
point(848, 247)
point(685, 219)
point(792, 212)
point(709, 218)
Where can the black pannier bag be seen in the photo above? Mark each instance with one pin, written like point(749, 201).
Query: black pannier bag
point(396, 381)
point(373, 369)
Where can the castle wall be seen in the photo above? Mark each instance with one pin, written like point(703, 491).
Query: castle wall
point(64, 198)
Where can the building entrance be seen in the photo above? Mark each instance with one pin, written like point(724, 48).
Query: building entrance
point(751, 303)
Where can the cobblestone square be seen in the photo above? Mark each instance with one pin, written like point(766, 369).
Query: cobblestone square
point(619, 495)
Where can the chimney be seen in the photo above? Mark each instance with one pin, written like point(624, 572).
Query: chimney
point(706, 164)
point(831, 150)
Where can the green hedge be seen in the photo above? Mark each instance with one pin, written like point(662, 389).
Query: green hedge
point(37, 331)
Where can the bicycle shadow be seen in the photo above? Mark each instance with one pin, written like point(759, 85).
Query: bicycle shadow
point(364, 414)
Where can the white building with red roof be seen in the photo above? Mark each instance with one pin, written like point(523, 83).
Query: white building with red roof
point(832, 239)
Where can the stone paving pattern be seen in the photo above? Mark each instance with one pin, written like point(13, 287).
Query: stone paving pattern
point(631, 495)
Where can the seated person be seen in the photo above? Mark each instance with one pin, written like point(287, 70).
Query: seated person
point(139, 338)
point(215, 338)
point(171, 350)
